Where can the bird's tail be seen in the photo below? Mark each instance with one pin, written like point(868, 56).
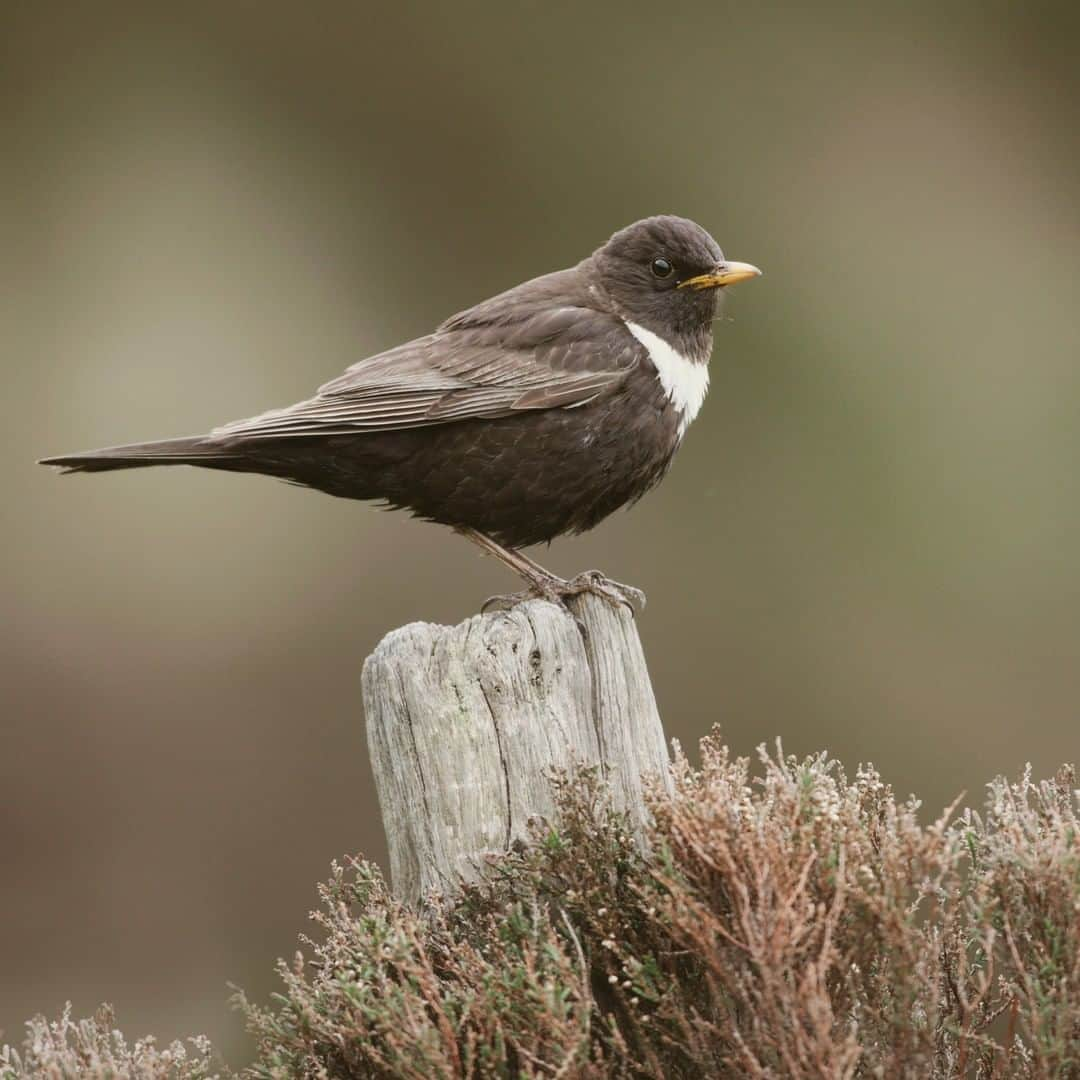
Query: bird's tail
point(192, 451)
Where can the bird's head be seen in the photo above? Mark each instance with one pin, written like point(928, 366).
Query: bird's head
point(667, 273)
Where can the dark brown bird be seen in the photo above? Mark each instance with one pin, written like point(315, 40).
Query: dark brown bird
point(535, 413)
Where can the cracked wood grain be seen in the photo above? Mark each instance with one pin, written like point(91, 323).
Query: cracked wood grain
point(466, 722)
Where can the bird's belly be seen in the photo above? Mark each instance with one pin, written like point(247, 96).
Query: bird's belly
point(522, 479)
point(526, 479)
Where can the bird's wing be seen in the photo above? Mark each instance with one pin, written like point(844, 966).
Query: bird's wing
point(543, 358)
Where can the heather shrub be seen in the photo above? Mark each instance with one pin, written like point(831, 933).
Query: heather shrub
point(786, 921)
point(796, 924)
point(94, 1049)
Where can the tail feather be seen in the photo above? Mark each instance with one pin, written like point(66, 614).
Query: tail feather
point(191, 451)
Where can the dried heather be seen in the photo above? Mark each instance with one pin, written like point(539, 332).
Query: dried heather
point(786, 922)
point(793, 924)
point(93, 1049)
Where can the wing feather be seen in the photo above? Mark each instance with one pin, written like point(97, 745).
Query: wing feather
point(470, 368)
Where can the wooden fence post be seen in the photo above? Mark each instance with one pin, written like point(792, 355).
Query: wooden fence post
point(465, 723)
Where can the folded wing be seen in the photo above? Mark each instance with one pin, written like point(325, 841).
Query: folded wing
point(475, 366)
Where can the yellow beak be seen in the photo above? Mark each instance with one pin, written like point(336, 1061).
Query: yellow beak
point(728, 273)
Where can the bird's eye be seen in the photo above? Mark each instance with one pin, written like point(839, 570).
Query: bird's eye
point(661, 268)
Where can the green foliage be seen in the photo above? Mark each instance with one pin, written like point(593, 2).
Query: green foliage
point(790, 924)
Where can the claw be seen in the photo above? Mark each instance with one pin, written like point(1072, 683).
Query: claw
point(505, 601)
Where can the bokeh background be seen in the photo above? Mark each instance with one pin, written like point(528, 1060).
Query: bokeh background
point(870, 542)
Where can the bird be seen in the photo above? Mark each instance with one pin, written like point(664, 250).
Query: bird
point(534, 414)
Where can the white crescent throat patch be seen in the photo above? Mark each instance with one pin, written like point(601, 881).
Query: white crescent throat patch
point(684, 381)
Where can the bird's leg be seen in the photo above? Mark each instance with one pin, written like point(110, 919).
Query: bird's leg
point(546, 585)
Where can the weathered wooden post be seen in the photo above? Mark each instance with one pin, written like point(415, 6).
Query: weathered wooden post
point(465, 723)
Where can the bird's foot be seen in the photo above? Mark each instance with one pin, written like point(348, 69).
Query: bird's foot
point(559, 590)
point(614, 592)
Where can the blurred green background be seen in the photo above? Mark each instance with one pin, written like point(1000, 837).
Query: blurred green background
point(869, 542)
